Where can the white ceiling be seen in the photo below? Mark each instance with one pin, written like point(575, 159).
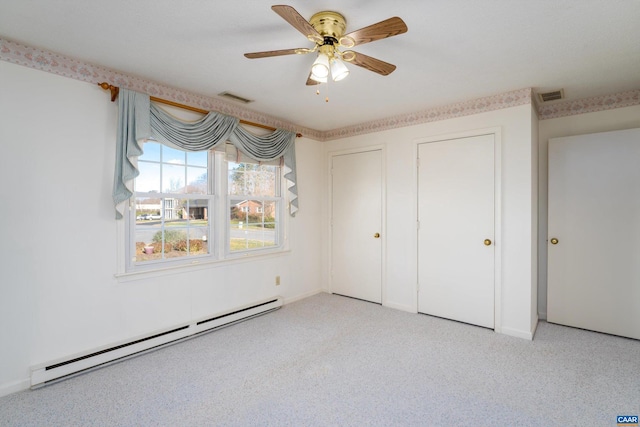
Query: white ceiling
point(455, 50)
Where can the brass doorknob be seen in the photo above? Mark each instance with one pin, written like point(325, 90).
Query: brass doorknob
point(554, 241)
point(377, 235)
point(487, 242)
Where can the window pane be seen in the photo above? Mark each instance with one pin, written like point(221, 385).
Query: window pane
point(173, 179)
point(197, 210)
point(255, 180)
point(197, 158)
point(149, 178)
point(151, 151)
point(269, 214)
point(254, 211)
point(266, 181)
point(175, 239)
point(249, 228)
point(252, 179)
point(198, 241)
point(236, 178)
point(197, 180)
point(173, 156)
point(147, 209)
point(172, 208)
point(147, 247)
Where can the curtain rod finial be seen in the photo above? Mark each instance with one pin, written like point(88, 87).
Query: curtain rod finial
point(114, 90)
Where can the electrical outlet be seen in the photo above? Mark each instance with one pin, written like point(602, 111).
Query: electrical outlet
point(277, 280)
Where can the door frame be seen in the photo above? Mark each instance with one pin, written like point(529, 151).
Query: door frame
point(383, 213)
point(497, 209)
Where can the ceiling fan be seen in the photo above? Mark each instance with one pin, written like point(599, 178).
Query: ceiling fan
point(327, 30)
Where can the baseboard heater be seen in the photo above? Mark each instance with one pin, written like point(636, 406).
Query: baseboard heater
point(79, 363)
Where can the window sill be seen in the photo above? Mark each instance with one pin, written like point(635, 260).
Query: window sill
point(196, 265)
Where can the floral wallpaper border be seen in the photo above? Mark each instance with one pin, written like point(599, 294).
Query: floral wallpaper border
point(68, 67)
point(43, 60)
point(589, 105)
point(467, 108)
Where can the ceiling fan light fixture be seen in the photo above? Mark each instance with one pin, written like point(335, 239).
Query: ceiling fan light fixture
point(326, 29)
point(318, 79)
point(338, 70)
point(320, 67)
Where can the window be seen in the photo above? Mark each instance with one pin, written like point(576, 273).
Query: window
point(175, 218)
point(254, 206)
point(173, 199)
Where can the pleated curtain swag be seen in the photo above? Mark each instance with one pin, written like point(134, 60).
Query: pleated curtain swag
point(139, 120)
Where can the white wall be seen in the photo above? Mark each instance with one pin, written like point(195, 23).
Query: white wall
point(58, 293)
point(519, 211)
point(602, 121)
point(535, 194)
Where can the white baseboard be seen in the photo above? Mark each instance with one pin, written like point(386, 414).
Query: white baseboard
point(14, 387)
point(542, 315)
point(527, 335)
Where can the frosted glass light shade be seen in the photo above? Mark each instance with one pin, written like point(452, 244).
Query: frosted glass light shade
point(318, 79)
point(338, 70)
point(320, 67)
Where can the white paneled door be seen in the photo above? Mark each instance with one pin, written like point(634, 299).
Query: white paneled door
point(356, 231)
point(456, 229)
point(594, 232)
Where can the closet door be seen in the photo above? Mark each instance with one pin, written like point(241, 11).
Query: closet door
point(594, 232)
point(356, 225)
point(456, 229)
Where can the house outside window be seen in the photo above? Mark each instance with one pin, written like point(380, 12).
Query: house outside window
point(255, 206)
point(174, 217)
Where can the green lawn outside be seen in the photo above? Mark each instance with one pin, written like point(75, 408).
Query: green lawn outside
point(242, 244)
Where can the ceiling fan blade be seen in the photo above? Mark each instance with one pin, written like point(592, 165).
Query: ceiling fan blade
point(383, 29)
point(296, 20)
point(371, 64)
point(268, 53)
point(311, 82)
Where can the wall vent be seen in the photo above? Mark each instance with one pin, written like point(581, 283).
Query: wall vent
point(235, 97)
point(551, 96)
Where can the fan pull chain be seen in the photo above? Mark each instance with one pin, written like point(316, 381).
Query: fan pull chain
point(326, 99)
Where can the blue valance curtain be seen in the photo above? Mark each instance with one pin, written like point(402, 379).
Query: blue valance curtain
point(139, 120)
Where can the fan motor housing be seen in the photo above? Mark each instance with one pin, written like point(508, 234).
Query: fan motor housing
point(329, 24)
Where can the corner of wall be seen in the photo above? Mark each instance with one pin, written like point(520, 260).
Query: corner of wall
point(517, 333)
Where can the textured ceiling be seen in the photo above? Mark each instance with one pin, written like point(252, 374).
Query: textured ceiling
point(455, 50)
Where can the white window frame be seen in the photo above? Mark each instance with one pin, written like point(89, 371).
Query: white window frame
point(130, 214)
point(219, 227)
point(281, 219)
